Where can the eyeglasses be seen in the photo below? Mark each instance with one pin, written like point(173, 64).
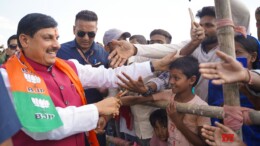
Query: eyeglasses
point(13, 47)
point(81, 34)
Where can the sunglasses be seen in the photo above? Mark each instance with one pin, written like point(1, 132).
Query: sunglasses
point(90, 34)
point(13, 47)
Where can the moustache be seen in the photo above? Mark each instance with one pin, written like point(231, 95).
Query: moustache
point(52, 50)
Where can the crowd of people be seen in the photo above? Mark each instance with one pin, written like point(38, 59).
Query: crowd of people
point(81, 92)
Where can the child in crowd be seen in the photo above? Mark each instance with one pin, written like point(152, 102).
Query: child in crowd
point(185, 129)
point(158, 120)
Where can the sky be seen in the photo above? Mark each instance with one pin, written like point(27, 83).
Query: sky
point(134, 16)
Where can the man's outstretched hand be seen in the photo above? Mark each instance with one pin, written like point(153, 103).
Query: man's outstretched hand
point(122, 50)
point(131, 84)
point(228, 71)
point(164, 63)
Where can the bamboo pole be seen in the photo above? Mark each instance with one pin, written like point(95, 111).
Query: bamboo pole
point(203, 110)
point(226, 43)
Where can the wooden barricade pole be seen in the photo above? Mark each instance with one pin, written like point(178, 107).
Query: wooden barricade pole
point(203, 110)
point(226, 43)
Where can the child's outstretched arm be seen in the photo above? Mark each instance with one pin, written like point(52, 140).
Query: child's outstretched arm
point(177, 119)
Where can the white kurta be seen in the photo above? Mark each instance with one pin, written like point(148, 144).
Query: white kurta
point(85, 118)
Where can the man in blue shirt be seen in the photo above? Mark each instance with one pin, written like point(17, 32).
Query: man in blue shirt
point(9, 123)
point(86, 51)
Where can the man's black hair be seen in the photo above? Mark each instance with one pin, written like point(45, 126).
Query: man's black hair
point(162, 32)
point(86, 15)
point(13, 37)
point(139, 38)
point(257, 11)
point(31, 23)
point(206, 11)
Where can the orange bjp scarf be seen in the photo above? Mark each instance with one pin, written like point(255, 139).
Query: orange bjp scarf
point(64, 67)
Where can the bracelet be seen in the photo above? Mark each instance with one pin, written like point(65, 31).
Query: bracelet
point(250, 78)
point(152, 67)
point(148, 92)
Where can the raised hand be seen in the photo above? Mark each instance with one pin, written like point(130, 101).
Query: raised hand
point(164, 63)
point(228, 71)
point(132, 85)
point(197, 33)
point(122, 50)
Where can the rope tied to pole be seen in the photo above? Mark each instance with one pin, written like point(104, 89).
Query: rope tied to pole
point(228, 22)
point(235, 116)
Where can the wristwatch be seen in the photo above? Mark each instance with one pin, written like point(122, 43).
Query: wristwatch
point(148, 92)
